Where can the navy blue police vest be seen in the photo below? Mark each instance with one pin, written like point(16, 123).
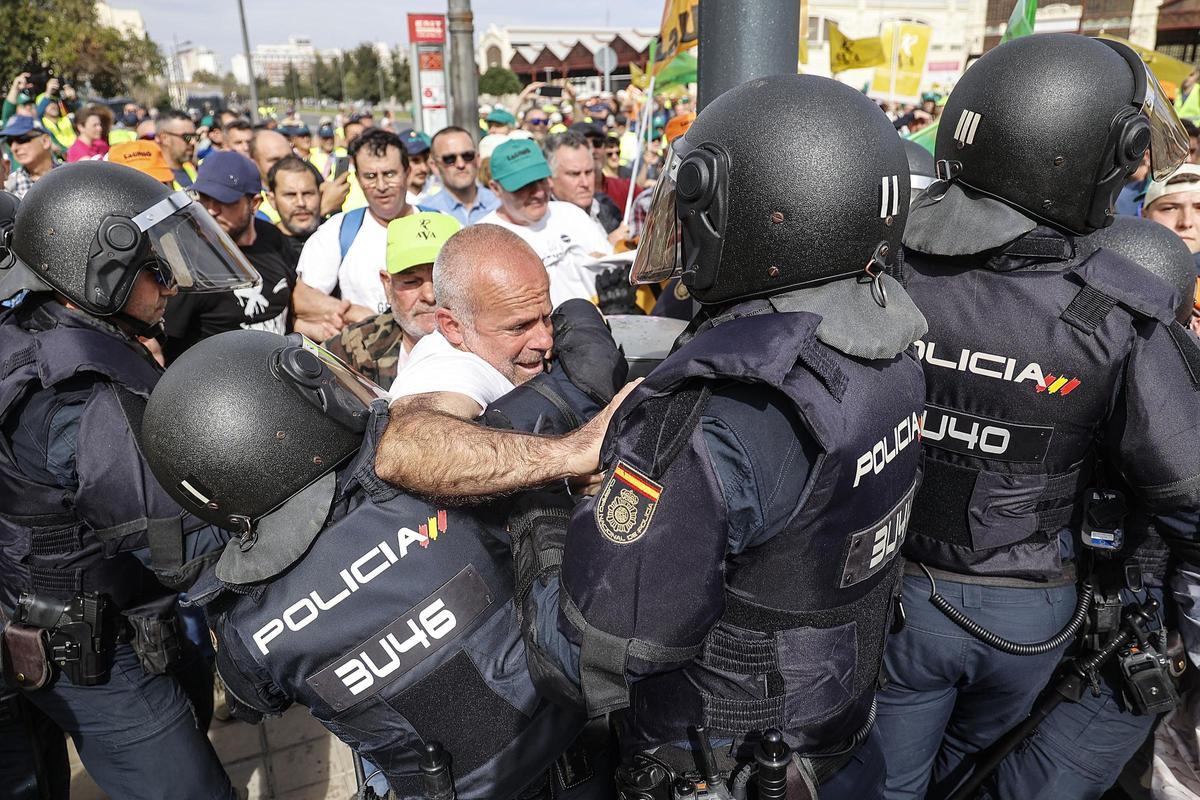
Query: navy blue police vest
point(1023, 361)
point(44, 546)
point(398, 627)
point(789, 633)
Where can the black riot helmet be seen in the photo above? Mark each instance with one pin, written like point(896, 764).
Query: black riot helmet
point(87, 229)
point(1052, 124)
point(782, 182)
point(921, 171)
point(1155, 248)
point(245, 420)
point(9, 203)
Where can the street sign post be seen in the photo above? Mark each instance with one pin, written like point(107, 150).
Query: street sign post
point(427, 38)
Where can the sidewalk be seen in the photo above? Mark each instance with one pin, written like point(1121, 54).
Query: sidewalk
point(286, 758)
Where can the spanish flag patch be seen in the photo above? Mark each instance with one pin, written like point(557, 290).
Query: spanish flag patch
point(626, 504)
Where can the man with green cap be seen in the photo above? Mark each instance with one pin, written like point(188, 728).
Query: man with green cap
point(500, 120)
point(562, 234)
point(379, 346)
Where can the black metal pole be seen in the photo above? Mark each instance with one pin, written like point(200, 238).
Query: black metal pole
point(745, 39)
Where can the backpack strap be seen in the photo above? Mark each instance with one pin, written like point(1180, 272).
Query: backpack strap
point(351, 223)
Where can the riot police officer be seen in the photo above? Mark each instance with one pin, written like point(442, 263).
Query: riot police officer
point(391, 617)
point(1045, 359)
point(91, 637)
point(1108, 723)
point(736, 570)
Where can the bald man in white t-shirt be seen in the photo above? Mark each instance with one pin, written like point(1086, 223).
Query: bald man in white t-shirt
point(493, 333)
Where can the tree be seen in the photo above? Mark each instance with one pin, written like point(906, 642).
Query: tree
point(328, 77)
point(401, 76)
point(203, 76)
point(66, 37)
point(498, 80)
point(362, 73)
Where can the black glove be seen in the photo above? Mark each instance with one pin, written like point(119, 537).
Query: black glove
point(585, 350)
point(615, 294)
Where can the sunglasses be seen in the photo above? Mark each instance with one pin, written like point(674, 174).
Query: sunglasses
point(537, 122)
point(162, 274)
point(24, 139)
point(468, 157)
point(190, 138)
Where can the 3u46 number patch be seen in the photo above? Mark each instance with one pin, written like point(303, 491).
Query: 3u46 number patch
point(626, 504)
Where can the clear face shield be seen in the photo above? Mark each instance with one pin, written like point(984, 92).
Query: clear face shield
point(326, 382)
point(191, 249)
point(658, 255)
point(1168, 138)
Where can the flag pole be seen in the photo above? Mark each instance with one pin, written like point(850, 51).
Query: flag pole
point(895, 63)
point(644, 134)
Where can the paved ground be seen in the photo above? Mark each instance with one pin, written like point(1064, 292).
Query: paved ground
point(290, 758)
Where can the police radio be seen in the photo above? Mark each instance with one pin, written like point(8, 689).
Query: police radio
point(1103, 528)
point(1149, 687)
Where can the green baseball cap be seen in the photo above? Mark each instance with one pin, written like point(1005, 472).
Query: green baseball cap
point(501, 116)
point(417, 239)
point(517, 163)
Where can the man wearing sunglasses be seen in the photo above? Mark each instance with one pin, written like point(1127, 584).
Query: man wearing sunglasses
point(456, 160)
point(31, 148)
point(176, 135)
point(537, 122)
point(100, 247)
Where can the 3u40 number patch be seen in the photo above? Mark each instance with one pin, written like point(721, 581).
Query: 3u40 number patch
point(626, 504)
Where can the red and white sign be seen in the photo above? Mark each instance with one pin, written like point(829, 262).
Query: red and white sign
point(426, 29)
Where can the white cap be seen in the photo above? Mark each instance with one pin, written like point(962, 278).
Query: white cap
point(1184, 179)
point(489, 143)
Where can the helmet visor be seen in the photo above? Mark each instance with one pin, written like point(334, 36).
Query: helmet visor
point(189, 242)
point(1168, 138)
point(658, 255)
point(358, 385)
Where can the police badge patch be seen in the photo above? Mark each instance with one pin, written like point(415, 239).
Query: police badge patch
point(626, 504)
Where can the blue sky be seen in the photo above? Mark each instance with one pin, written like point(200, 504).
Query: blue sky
point(345, 23)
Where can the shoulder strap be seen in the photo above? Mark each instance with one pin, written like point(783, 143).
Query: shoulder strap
point(351, 222)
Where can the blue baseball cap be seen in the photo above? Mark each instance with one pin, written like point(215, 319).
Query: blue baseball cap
point(21, 126)
point(415, 142)
point(325, 131)
point(225, 176)
point(517, 163)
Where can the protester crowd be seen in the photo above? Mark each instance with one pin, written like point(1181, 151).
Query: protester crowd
point(447, 268)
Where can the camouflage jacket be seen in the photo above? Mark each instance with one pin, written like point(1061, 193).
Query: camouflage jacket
point(370, 347)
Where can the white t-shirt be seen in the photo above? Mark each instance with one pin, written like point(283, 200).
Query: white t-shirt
point(434, 365)
point(565, 239)
point(358, 274)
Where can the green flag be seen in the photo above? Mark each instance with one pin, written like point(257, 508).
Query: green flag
point(1020, 22)
point(926, 137)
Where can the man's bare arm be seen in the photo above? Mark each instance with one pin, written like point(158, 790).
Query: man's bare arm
point(431, 449)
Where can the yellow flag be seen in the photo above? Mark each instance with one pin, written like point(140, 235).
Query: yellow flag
point(680, 28)
point(803, 31)
point(905, 45)
point(1168, 70)
point(847, 54)
point(638, 77)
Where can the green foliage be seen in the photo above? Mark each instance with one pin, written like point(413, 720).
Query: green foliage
point(203, 76)
point(65, 36)
point(401, 77)
point(498, 81)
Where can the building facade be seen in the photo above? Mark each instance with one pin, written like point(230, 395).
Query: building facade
point(546, 53)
